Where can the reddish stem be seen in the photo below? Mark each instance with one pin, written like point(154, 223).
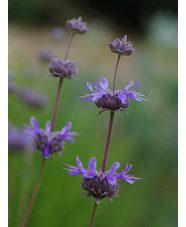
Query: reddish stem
point(68, 46)
point(93, 215)
point(116, 72)
point(51, 130)
point(59, 88)
point(34, 194)
point(56, 105)
point(107, 142)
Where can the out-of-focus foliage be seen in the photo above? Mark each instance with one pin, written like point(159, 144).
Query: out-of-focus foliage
point(146, 138)
point(131, 14)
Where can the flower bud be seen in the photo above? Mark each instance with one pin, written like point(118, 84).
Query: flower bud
point(60, 68)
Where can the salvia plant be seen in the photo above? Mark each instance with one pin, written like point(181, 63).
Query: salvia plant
point(96, 183)
point(48, 141)
point(102, 184)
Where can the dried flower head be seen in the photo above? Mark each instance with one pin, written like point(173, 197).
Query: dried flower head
point(49, 142)
point(121, 47)
point(60, 68)
point(77, 26)
point(99, 184)
point(109, 100)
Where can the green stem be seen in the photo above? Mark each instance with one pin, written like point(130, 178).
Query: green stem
point(34, 195)
point(93, 215)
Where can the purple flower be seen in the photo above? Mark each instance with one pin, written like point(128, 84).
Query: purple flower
point(121, 47)
point(60, 68)
point(49, 142)
point(109, 100)
point(99, 184)
point(16, 139)
point(77, 26)
point(32, 98)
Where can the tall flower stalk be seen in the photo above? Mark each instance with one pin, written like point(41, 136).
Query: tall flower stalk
point(101, 184)
point(105, 156)
point(48, 141)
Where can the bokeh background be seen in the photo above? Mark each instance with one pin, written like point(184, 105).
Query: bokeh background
point(146, 138)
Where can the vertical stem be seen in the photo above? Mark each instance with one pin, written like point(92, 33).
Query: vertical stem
point(56, 105)
point(107, 142)
point(34, 195)
point(93, 215)
point(116, 72)
point(68, 46)
point(59, 88)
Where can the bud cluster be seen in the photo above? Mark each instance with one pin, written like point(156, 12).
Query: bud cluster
point(60, 68)
point(99, 187)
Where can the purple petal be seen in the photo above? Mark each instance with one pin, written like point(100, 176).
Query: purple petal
point(72, 170)
point(89, 85)
point(34, 129)
point(129, 85)
point(96, 85)
point(122, 97)
point(66, 129)
point(84, 96)
point(69, 136)
point(137, 85)
point(112, 179)
point(92, 167)
point(129, 178)
point(92, 164)
point(46, 151)
point(104, 83)
point(34, 122)
point(128, 52)
point(124, 38)
point(79, 164)
point(112, 47)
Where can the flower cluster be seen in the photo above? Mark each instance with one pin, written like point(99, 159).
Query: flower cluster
point(121, 47)
point(99, 184)
point(77, 26)
point(60, 68)
point(109, 100)
point(49, 142)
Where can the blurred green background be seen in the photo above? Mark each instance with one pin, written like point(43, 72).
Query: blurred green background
point(146, 138)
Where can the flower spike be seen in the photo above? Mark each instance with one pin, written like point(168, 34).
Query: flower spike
point(49, 142)
point(99, 184)
point(109, 100)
